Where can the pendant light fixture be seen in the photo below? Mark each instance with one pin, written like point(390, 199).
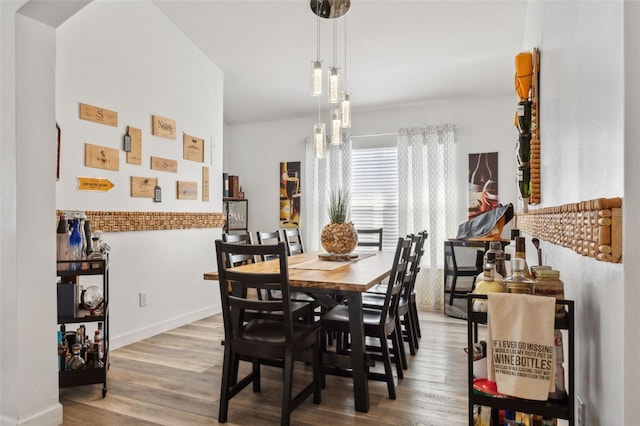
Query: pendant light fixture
point(345, 104)
point(316, 73)
point(330, 10)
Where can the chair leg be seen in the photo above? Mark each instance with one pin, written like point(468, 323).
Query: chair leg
point(416, 320)
point(454, 278)
point(224, 388)
point(408, 326)
point(396, 339)
point(256, 375)
point(287, 387)
point(315, 360)
point(401, 350)
point(386, 359)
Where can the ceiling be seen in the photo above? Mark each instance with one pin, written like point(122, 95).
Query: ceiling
point(399, 52)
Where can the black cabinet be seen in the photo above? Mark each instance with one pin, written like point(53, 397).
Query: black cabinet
point(72, 312)
point(562, 409)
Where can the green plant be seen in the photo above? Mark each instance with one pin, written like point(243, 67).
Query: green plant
point(338, 205)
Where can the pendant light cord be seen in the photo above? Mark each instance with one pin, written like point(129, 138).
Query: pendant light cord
point(345, 53)
point(318, 6)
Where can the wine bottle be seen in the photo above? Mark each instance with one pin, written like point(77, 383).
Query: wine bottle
point(62, 239)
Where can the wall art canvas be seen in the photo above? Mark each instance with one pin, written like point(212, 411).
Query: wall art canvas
point(290, 195)
point(483, 183)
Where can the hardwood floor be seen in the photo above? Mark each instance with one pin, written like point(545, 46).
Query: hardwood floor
point(174, 379)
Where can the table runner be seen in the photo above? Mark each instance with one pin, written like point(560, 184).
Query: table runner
point(328, 265)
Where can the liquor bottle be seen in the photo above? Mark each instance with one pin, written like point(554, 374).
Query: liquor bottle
point(518, 282)
point(97, 356)
point(62, 349)
point(75, 241)
point(87, 236)
point(97, 341)
point(510, 251)
point(489, 284)
point(76, 362)
point(62, 239)
point(494, 255)
point(481, 174)
point(521, 253)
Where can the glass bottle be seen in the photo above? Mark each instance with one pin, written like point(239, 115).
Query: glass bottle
point(76, 362)
point(75, 240)
point(522, 254)
point(510, 251)
point(127, 141)
point(62, 239)
point(518, 282)
point(548, 283)
point(489, 284)
point(95, 253)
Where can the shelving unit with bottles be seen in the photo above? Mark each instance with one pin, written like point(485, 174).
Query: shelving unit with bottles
point(560, 409)
point(236, 211)
point(70, 272)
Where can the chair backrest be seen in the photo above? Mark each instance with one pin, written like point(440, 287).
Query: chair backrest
point(450, 264)
point(396, 280)
point(370, 238)
point(268, 238)
point(417, 251)
point(234, 285)
point(236, 259)
point(293, 239)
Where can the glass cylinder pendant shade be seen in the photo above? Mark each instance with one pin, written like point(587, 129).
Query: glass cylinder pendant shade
point(336, 125)
point(318, 139)
point(316, 79)
point(345, 106)
point(333, 85)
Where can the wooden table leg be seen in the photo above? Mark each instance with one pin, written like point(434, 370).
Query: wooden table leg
point(356, 328)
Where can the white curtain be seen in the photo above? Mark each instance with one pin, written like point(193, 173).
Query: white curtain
point(320, 177)
point(426, 200)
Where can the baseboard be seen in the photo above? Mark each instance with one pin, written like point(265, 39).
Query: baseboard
point(143, 333)
point(51, 416)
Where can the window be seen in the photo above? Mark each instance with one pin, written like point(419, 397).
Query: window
point(374, 191)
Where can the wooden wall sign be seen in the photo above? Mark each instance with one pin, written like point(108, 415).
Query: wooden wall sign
point(164, 127)
point(94, 184)
point(98, 115)
point(143, 187)
point(192, 148)
point(187, 190)
point(205, 184)
point(135, 155)
point(164, 164)
point(101, 157)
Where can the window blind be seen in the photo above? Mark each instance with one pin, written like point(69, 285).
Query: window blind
point(374, 191)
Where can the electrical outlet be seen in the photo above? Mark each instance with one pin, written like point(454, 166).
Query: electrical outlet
point(143, 299)
point(581, 412)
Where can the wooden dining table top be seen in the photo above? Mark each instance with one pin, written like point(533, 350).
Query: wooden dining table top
point(355, 275)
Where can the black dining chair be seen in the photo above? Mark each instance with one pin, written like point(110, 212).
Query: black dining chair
point(379, 324)
point(293, 238)
point(268, 237)
point(370, 238)
point(261, 340)
point(453, 271)
point(235, 259)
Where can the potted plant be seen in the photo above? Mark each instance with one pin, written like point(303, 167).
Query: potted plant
point(339, 236)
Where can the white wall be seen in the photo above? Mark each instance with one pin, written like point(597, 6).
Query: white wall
point(483, 125)
point(631, 219)
point(140, 67)
point(582, 156)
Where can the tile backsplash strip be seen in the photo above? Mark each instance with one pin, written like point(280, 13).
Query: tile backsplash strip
point(112, 221)
point(590, 228)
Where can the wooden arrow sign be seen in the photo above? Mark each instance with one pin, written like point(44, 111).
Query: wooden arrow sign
point(94, 184)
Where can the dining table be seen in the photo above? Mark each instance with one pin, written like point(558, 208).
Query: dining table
point(313, 274)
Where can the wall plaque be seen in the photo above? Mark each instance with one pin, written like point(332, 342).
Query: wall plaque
point(101, 157)
point(98, 115)
point(192, 148)
point(94, 184)
point(143, 187)
point(187, 190)
point(164, 127)
point(205, 184)
point(164, 164)
point(135, 155)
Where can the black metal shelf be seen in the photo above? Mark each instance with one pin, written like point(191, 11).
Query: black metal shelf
point(69, 271)
point(562, 409)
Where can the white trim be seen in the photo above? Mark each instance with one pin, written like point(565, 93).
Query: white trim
point(47, 417)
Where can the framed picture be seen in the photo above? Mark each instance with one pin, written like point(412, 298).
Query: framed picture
point(483, 183)
point(290, 195)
